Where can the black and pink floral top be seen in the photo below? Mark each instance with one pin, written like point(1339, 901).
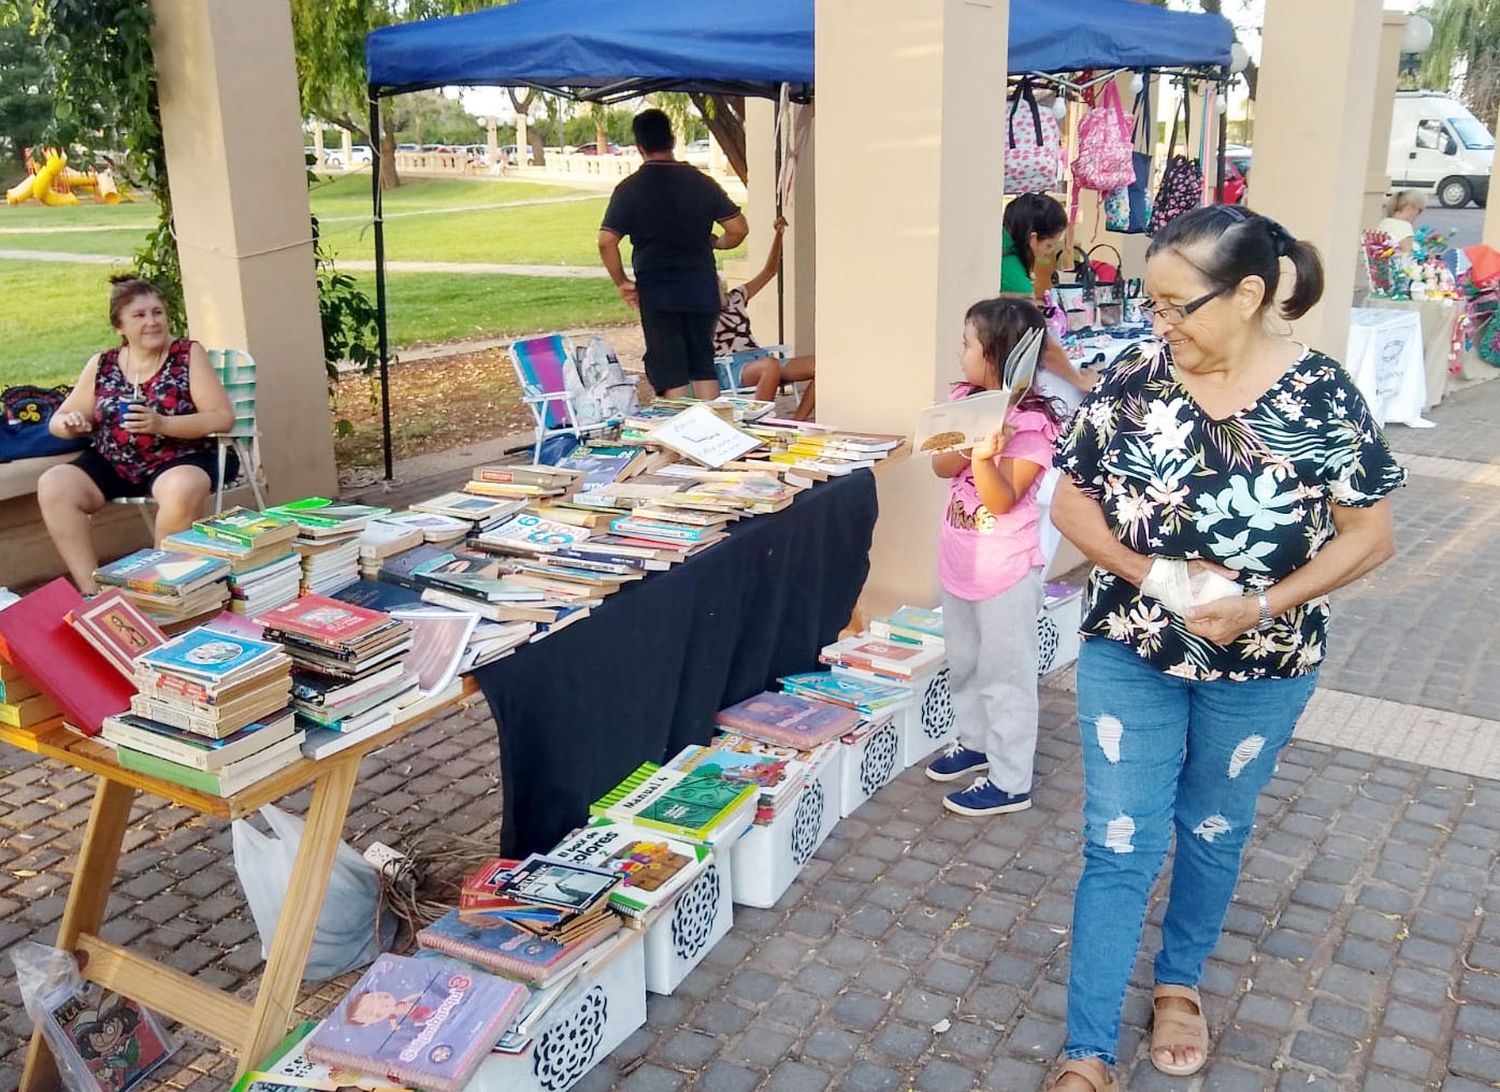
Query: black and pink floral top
point(135, 455)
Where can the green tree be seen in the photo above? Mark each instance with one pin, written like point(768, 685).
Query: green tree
point(24, 113)
point(1465, 50)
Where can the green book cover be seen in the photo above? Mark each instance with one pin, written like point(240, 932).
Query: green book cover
point(638, 777)
point(695, 805)
point(242, 525)
point(167, 770)
point(322, 512)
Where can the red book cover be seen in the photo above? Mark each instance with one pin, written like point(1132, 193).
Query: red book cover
point(118, 629)
point(322, 619)
point(35, 636)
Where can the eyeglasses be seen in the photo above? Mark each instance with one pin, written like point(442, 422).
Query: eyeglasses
point(1176, 313)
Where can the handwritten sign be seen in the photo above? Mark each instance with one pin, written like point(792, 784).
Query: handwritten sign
point(702, 435)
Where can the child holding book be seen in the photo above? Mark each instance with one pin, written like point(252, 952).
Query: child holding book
point(990, 566)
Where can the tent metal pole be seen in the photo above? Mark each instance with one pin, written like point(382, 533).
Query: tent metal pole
point(1223, 102)
point(781, 259)
point(378, 216)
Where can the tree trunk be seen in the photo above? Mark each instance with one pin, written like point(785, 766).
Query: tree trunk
point(601, 135)
point(533, 135)
point(725, 117)
point(389, 177)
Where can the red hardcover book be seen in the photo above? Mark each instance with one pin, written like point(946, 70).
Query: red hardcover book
point(35, 636)
point(118, 629)
point(324, 620)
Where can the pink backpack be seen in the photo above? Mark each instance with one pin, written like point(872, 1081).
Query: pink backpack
point(1104, 148)
point(1033, 146)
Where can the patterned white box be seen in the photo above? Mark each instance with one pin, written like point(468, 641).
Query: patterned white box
point(867, 766)
point(604, 1008)
point(697, 919)
point(768, 858)
point(1057, 629)
point(927, 720)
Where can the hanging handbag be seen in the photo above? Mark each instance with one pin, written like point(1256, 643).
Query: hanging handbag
point(1103, 162)
point(1033, 146)
point(24, 433)
point(1181, 188)
point(1138, 194)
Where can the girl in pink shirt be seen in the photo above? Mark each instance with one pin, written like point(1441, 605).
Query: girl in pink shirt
point(990, 566)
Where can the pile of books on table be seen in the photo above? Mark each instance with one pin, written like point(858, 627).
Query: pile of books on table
point(22, 703)
point(349, 664)
point(879, 660)
point(211, 713)
point(382, 540)
point(174, 589)
point(911, 625)
point(436, 530)
point(697, 806)
point(480, 514)
point(777, 778)
point(264, 569)
point(808, 452)
point(527, 483)
point(327, 540)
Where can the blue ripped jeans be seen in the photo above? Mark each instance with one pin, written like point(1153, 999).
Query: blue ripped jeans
point(1159, 752)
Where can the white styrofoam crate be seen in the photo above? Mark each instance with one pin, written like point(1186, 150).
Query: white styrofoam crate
point(606, 1006)
point(867, 766)
point(697, 920)
point(927, 721)
point(768, 858)
point(1057, 633)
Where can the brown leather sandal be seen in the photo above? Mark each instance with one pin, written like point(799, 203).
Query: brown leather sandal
point(1089, 1072)
point(1173, 1028)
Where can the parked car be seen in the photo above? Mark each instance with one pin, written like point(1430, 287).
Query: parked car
point(511, 154)
point(363, 157)
point(408, 147)
point(592, 148)
point(1437, 145)
point(1236, 177)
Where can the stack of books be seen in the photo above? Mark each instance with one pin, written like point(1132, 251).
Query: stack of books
point(175, 590)
point(350, 668)
point(480, 513)
point(22, 703)
point(522, 482)
point(605, 464)
point(778, 779)
point(878, 660)
point(327, 541)
point(809, 452)
point(380, 541)
point(508, 950)
point(653, 867)
point(698, 808)
point(207, 684)
point(526, 533)
point(436, 530)
point(553, 899)
point(787, 720)
point(117, 628)
point(492, 640)
point(911, 625)
point(262, 576)
point(861, 695)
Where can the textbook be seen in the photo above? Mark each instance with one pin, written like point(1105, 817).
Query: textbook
point(248, 527)
point(788, 719)
point(527, 533)
point(162, 572)
point(865, 698)
point(654, 866)
point(703, 809)
point(508, 949)
point(427, 1022)
point(318, 517)
point(118, 629)
point(191, 749)
point(226, 780)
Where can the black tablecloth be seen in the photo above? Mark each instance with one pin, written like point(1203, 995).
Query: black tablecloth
point(644, 675)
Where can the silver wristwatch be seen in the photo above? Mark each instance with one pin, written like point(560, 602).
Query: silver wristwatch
point(1266, 620)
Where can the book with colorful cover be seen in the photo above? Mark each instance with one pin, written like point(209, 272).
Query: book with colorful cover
point(599, 468)
point(192, 748)
point(207, 654)
point(424, 1021)
point(653, 866)
point(162, 572)
point(529, 532)
point(288, 1069)
point(115, 1040)
point(789, 719)
point(324, 621)
point(702, 809)
point(247, 527)
point(638, 527)
point(118, 629)
point(914, 625)
point(507, 949)
point(858, 694)
point(762, 771)
point(898, 660)
point(320, 513)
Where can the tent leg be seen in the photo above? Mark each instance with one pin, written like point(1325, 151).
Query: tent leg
point(1223, 134)
point(380, 310)
point(780, 212)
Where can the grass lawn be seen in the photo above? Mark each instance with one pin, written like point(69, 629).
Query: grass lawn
point(57, 317)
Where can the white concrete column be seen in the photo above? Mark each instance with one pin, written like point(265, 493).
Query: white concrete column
point(317, 135)
point(523, 141)
point(348, 146)
point(228, 91)
point(491, 143)
point(1303, 84)
point(1387, 72)
point(911, 97)
point(1491, 235)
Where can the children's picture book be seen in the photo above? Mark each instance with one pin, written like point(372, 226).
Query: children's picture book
point(786, 718)
point(703, 436)
point(703, 809)
point(762, 771)
point(653, 866)
point(428, 1022)
point(247, 527)
point(851, 693)
point(208, 654)
point(951, 426)
point(116, 1040)
point(288, 1069)
point(118, 629)
point(162, 572)
point(507, 949)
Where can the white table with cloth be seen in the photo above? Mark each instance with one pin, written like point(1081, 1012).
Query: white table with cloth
point(1386, 361)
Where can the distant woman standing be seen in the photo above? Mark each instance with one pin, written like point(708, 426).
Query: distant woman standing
point(1036, 227)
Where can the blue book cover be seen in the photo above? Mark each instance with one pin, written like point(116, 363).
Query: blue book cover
point(164, 572)
point(843, 690)
point(424, 1021)
point(208, 654)
point(378, 595)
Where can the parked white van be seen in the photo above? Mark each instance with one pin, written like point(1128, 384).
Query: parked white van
point(1436, 144)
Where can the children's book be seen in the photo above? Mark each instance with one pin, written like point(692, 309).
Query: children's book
point(704, 809)
point(508, 949)
point(289, 1070)
point(786, 718)
point(857, 694)
point(762, 771)
point(653, 866)
point(207, 654)
point(427, 1022)
point(248, 527)
point(528, 532)
point(116, 1040)
point(118, 629)
point(162, 572)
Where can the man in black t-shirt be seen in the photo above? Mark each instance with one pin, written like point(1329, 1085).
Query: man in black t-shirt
point(669, 208)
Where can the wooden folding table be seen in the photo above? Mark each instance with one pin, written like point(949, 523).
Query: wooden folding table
point(248, 1029)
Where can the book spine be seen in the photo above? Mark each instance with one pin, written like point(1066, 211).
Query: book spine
point(224, 535)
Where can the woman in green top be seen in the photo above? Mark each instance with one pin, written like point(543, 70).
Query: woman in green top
point(1036, 227)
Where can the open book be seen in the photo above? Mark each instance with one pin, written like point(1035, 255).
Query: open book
point(954, 426)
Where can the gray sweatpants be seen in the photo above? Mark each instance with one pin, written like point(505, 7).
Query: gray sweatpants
point(992, 663)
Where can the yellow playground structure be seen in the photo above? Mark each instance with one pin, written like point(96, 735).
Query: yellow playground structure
point(52, 182)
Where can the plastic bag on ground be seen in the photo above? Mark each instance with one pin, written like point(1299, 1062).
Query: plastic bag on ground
point(345, 938)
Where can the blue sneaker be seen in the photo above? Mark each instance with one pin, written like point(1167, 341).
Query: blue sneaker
point(983, 798)
point(956, 761)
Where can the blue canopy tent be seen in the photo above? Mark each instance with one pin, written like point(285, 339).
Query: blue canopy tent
point(605, 50)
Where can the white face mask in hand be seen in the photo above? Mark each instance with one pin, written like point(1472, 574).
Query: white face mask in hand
point(1177, 589)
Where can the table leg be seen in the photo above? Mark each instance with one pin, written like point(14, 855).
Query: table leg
point(277, 998)
point(93, 879)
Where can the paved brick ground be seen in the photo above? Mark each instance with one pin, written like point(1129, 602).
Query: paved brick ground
point(925, 951)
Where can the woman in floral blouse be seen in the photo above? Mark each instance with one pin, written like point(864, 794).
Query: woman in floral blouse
point(1223, 480)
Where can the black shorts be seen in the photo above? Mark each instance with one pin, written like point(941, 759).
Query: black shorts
point(679, 347)
point(103, 474)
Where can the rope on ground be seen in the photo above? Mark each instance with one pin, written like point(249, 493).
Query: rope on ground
point(357, 477)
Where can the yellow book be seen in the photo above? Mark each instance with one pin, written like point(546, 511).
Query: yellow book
point(26, 713)
point(17, 689)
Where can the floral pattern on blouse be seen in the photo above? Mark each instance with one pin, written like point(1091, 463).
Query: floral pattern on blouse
point(1254, 492)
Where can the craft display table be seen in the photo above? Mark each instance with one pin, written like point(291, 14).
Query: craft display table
point(1384, 358)
point(1436, 319)
point(249, 1029)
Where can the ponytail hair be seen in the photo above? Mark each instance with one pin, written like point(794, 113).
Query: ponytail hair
point(1401, 200)
point(1033, 214)
point(1230, 243)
